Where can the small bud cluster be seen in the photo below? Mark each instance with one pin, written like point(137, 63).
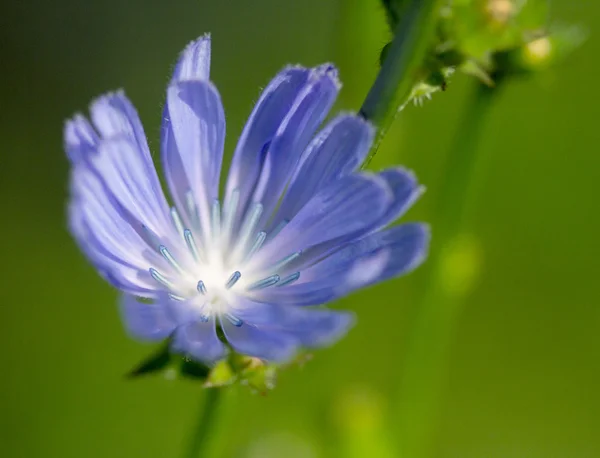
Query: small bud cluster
point(490, 39)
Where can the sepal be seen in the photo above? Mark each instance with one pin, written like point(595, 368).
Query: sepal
point(254, 373)
point(157, 362)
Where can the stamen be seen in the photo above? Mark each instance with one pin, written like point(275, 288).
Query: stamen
point(170, 259)
point(258, 242)
point(177, 220)
point(289, 279)
point(191, 244)
point(233, 279)
point(204, 317)
point(234, 320)
point(216, 218)
point(282, 263)
point(201, 287)
point(264, 283)
point(229, 210)
point(177, 298)
point(160, 278)
point(249, 226)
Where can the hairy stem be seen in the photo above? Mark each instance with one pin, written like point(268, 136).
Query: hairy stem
point(402, 67)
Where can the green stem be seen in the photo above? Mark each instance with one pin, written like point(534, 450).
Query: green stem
point(436, 316)
point(402, 67)
point(204, 423)
point(461, 161)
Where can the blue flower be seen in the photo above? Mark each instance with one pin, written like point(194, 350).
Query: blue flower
point(297, 225)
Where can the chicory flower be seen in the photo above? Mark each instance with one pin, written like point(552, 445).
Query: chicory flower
point(297, 225)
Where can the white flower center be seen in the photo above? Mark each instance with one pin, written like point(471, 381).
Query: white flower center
point(209, 265)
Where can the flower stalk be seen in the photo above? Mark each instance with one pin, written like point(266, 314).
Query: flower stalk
point(204, 423)
point(450, 274)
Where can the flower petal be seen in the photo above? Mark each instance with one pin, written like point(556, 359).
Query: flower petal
point(106, 235)
point(311, 327)
point(374, 258)
point(194, 61)
point(261, 343)
point(336, 151)
point(124, 163)
point(293, 135)
point(115, 270)
point(115, 117)
point(267, 115)
point(132, 184)
point(283, 104)
point(147, 321)
point(339, 213)
point(199, 341)
point(193, 64)
point(196, 120)
point(80, 138)
point(406, 189)
point(407, 245)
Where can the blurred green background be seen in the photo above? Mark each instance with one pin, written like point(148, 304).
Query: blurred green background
point(524, 369)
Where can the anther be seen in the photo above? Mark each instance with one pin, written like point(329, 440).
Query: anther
point(289, 279)
point(201, 287)
point(264, 283)
point(283, 262)
point(170, 259)
point(160, 278)
point(234, 320)
point(191, 244)
point(233, 279)
point(258, 242)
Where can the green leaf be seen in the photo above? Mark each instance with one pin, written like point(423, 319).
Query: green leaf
point(193, 369)
point(156, 362)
